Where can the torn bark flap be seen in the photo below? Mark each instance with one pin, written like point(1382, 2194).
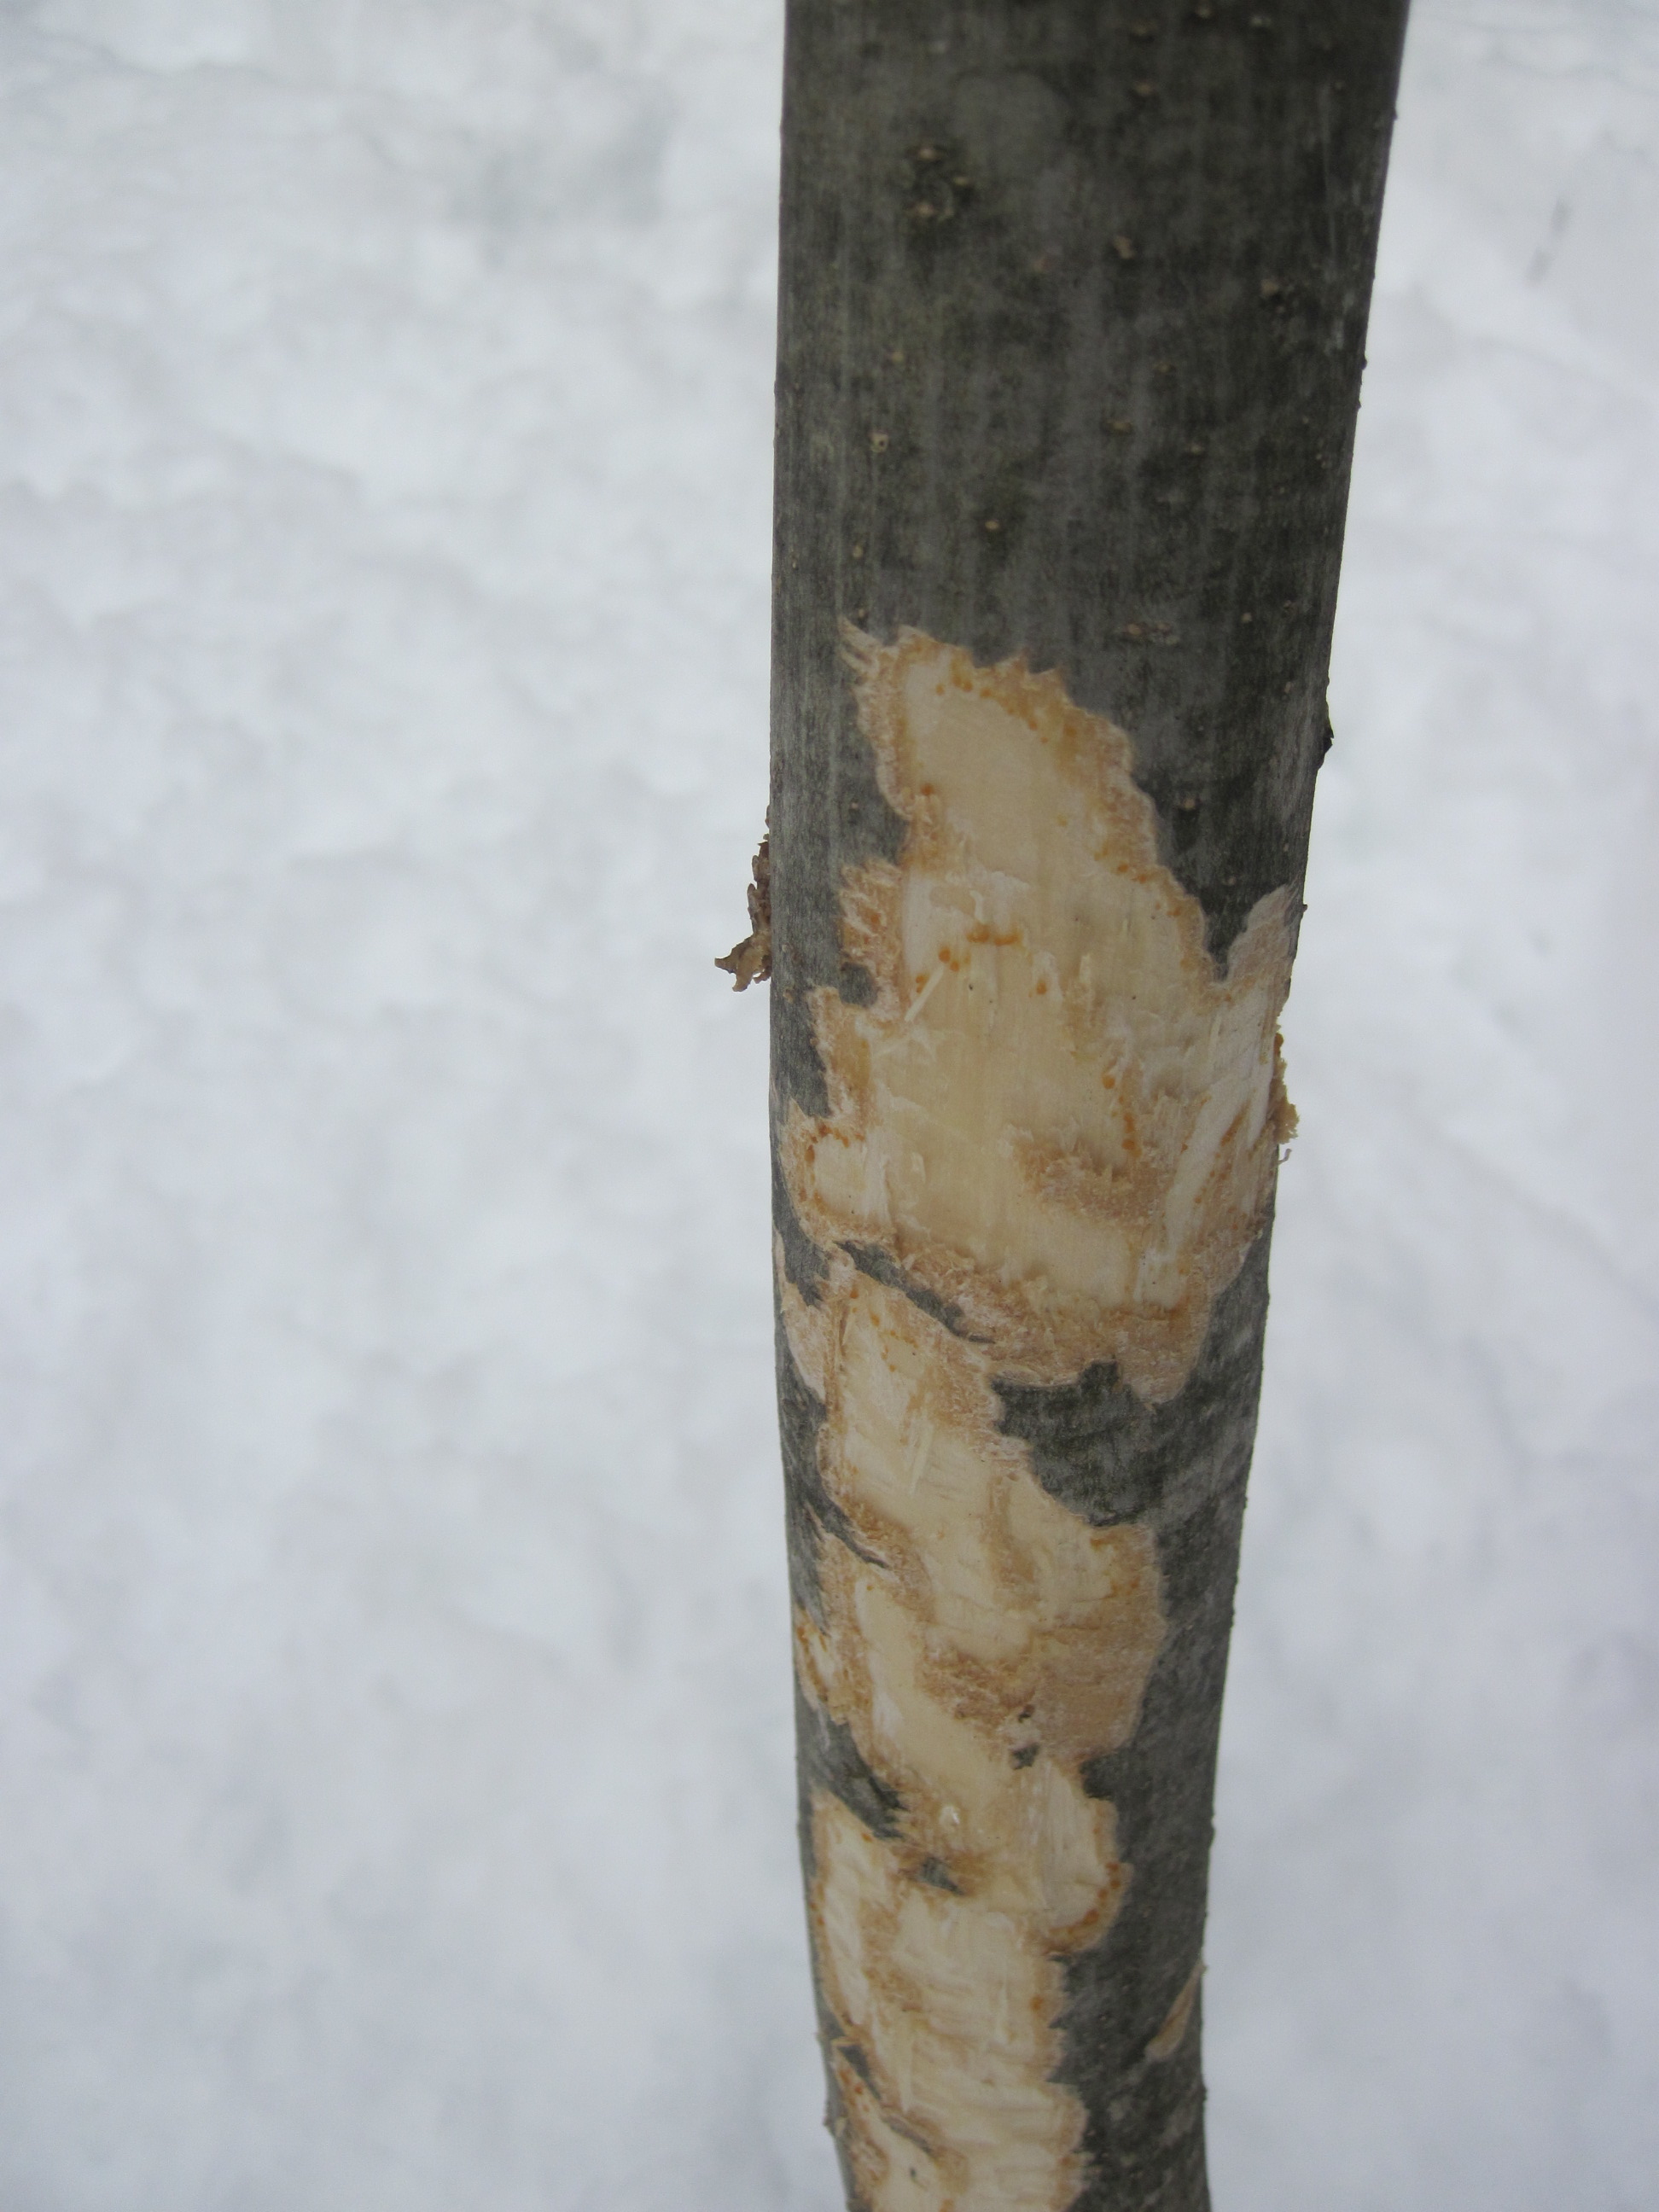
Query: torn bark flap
point(750, 961)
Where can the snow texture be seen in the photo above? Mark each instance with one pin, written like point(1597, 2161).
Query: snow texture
point(395, 1752)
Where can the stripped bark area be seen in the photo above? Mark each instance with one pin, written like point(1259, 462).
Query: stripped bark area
point(1051, 1135)
point(1052, 1110)
point(980, 1643)
point(1071, 316)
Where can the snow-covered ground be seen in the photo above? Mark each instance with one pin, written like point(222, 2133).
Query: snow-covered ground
point(394, 1754)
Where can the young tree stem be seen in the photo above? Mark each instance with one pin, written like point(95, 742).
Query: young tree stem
point(1071, 330)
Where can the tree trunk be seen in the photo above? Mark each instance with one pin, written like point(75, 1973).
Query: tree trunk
point(1072, 310)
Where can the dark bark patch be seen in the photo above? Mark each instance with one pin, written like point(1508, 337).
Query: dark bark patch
point(804, 1263)
point(1107, 1456)
point(810, 1512)
point(937, 1875)
point(831, 1760)
point(880, 1266)
point(1143, 2112)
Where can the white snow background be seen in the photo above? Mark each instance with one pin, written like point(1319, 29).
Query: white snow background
point(396, 1811)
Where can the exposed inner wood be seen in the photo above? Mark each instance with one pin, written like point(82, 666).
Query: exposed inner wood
point(1056, 1113)
point(981, 1642)
point(1055, 1121)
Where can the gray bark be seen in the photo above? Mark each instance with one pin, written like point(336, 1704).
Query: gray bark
point(1071, 331)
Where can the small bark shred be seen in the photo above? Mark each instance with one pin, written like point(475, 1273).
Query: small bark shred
point(1052, 1135)
point(750, 960)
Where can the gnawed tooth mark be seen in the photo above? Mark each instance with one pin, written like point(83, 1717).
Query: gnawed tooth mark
point(923, 1444)
point(1168, 2041)
point(922, 996)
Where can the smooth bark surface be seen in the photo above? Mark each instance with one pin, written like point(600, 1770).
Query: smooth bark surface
point(1072, 324)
